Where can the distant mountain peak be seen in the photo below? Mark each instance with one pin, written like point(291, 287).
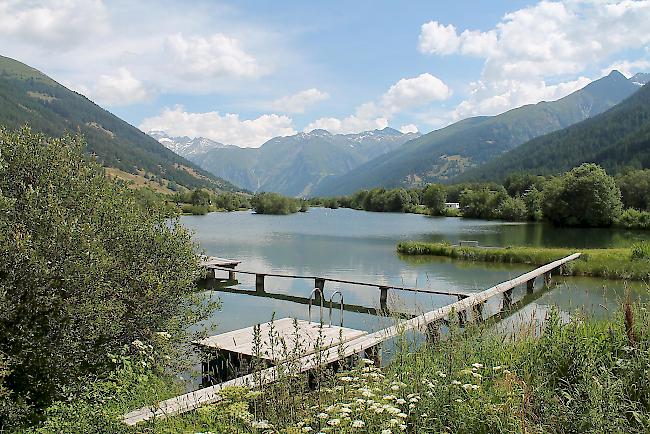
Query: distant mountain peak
point(616, 74)
point(318, 132)
point(640, 78)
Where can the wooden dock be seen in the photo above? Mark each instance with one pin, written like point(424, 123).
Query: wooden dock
point(428, 323)
point(280, 338)
point(213, 263)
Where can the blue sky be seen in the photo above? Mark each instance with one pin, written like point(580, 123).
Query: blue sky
point(243, 72)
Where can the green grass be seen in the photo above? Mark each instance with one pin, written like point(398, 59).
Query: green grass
point(582, 375)
point(607, 263)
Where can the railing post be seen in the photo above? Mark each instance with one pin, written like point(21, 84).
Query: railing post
point(259, 282)
point(320, 284)
point(383, 298)
point(507, 300)
point(530, 285)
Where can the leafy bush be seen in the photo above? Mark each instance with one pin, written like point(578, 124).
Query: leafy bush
point(633, 219)
point(513, 209)
point(640, 250)
point(84, 270)
point(275, 203)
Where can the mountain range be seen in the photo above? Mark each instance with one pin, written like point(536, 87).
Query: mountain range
point(441, 155)
point(616, 139)
point(28, 96)
point(293, 165)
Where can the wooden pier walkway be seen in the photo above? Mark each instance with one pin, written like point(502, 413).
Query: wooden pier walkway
point(428, 322)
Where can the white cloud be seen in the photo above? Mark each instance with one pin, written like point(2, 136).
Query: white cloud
point(53, 24)
point(408, 128)
point(119, 89)
point(540, 44)
point(405, 94)
point(436, 38)
point(350, 124)
point(212, 56)
point(413, 92)
point(300, 101)
point(228, 128)
point(627, 67)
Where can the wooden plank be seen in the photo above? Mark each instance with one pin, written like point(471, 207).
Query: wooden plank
point(208, 395)
point(274, 334)
point(215, 262)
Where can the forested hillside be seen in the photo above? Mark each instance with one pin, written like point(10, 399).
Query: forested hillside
point(29, 97)
point(616, 139)
point(448, 152)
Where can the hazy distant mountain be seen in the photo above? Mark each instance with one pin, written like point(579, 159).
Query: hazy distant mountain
point(28, 96)
point(640, 79)
point(448, 152)
point(295, 165)
point(186, 146)
point(616, 139)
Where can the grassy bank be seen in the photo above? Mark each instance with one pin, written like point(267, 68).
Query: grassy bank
point(620, 263)
point(580, 376)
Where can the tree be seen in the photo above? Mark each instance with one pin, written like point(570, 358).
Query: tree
point(512, 209)
point(635, 189)
point(584, 196)
point(534, 199)
point(200, 197)
point(85, 270)
point(482, 203)
point(434, 198)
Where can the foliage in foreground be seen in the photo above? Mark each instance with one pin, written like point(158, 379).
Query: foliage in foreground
point(581, 376)
point(615, 263)
point(85, 270)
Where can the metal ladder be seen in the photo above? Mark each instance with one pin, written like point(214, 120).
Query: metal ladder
point(331, 303)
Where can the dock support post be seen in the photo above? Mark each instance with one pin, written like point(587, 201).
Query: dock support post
point(530, 285)
point(507, 300)
point(547, 278)
point(232, 275)
point(374, 354)
point(433, 332)
point(478, 312)
point(383, 298)
point(259, 282)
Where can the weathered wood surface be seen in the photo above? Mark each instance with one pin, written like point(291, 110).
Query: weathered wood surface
point(213, 262)
point(208, 395)
point(281, 338)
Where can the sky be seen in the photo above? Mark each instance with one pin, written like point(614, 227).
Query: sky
point(246, 71)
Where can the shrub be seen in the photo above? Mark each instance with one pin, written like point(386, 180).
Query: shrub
point(84, 270)
point(512, 209)
point(274, 203)
point(633, 219)
point(640, 250)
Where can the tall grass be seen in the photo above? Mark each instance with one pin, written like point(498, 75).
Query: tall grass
point(607, 263)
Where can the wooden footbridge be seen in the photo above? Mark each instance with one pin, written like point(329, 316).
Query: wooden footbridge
point(353, 343)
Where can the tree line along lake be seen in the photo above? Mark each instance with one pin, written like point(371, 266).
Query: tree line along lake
point(361, 246)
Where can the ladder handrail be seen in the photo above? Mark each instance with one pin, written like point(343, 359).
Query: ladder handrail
point(341, 306)
point(322, 296)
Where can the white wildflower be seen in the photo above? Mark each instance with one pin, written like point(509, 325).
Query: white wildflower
point(322, 415)
point(358, 424)
point(334, 422)
point(477, 365)
point(401, 401)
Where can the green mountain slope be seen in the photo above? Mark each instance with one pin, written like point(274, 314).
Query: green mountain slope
point(618, 138)
point(29, 97)
point(297, 164)
point(448, 152)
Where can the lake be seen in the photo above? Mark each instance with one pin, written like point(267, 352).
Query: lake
point(360, 246)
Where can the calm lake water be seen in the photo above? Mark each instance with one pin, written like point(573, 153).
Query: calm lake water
point(360, 246)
